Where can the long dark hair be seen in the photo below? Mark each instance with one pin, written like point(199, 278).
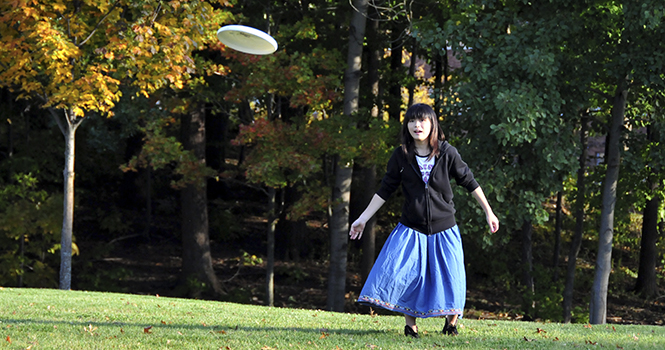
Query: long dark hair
point(421, 111)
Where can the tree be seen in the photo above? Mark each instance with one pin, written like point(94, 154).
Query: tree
point(644, 164)
point(509, 113)
point(196, 257)
point(73, 56)
point(579, 224)
point(339, 222)
point(629, 42)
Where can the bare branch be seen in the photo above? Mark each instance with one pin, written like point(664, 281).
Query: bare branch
point(154, 17)
point(58, 120)
point(98, 24)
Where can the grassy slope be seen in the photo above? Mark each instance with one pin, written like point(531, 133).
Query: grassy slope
point(54, 319)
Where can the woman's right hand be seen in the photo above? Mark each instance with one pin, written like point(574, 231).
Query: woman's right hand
point(357, 229)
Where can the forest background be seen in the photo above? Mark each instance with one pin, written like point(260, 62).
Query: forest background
point(204, 172)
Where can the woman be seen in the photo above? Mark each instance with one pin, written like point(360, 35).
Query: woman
point(420, 270)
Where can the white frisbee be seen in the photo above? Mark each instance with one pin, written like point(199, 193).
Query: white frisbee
point(247, 39)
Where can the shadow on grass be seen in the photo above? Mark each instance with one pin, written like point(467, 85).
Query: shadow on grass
point(210, 328)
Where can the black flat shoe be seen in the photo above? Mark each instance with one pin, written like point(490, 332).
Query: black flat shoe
point(409, 332)
point(450, 329)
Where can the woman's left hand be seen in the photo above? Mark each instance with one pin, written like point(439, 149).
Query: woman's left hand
point(493, 222)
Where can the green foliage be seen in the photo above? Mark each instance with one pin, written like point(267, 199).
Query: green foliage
point(510, 113)
point(292, 272)
point(293, 154)
point(29, 217)
point(224, 225)
point(163, 150)
point(250, 260)
point(309, 79)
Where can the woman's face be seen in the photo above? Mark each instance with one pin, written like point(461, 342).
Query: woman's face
point(420, 128)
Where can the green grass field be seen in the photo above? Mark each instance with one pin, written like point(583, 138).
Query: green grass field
point(54, 319)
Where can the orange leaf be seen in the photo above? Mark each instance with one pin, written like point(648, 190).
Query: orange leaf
point(147, 329)
point(9, 339)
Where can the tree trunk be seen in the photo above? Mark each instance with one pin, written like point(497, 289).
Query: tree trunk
point(368, 178)
point(364, 181)
point(579, 228)
point(412, 73)
point(646, 283)
point(598, 304)
point(369, 236)
point(373, 66)
point(438, 83)
point(270, 263)
point(557, 237)
point(646, 276)
point(396, 67)
point(339, 221)
point(68, 123)
point(527, 266)
point(339, 227)
point(354, 57)
point(66, 238)
point(196, 259)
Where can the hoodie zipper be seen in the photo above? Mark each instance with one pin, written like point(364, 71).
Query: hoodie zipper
point(427, 201)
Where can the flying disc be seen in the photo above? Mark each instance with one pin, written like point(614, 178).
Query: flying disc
point(247, 39)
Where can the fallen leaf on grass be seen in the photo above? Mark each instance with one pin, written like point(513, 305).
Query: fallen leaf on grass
point(90, 329)
point(323, 335)
point(590, 342)
point(540, 331)
point(147, 329)
point(527, 339)
point(635, 337)
point(619, 347)
point(9, 339)
point(587, 326)
point(163, 322)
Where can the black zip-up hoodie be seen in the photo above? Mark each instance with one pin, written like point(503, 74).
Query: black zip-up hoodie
point(428, 207)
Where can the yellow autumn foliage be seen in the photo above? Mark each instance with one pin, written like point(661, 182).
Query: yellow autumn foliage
point(76, 55)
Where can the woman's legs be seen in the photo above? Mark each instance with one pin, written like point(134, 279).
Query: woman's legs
point(411, 322)
point(452, 319)
point(451, 325)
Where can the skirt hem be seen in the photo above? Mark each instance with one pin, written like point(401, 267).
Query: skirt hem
point(365, 300)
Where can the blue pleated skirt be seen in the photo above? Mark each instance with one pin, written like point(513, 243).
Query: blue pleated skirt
point(418, 275)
